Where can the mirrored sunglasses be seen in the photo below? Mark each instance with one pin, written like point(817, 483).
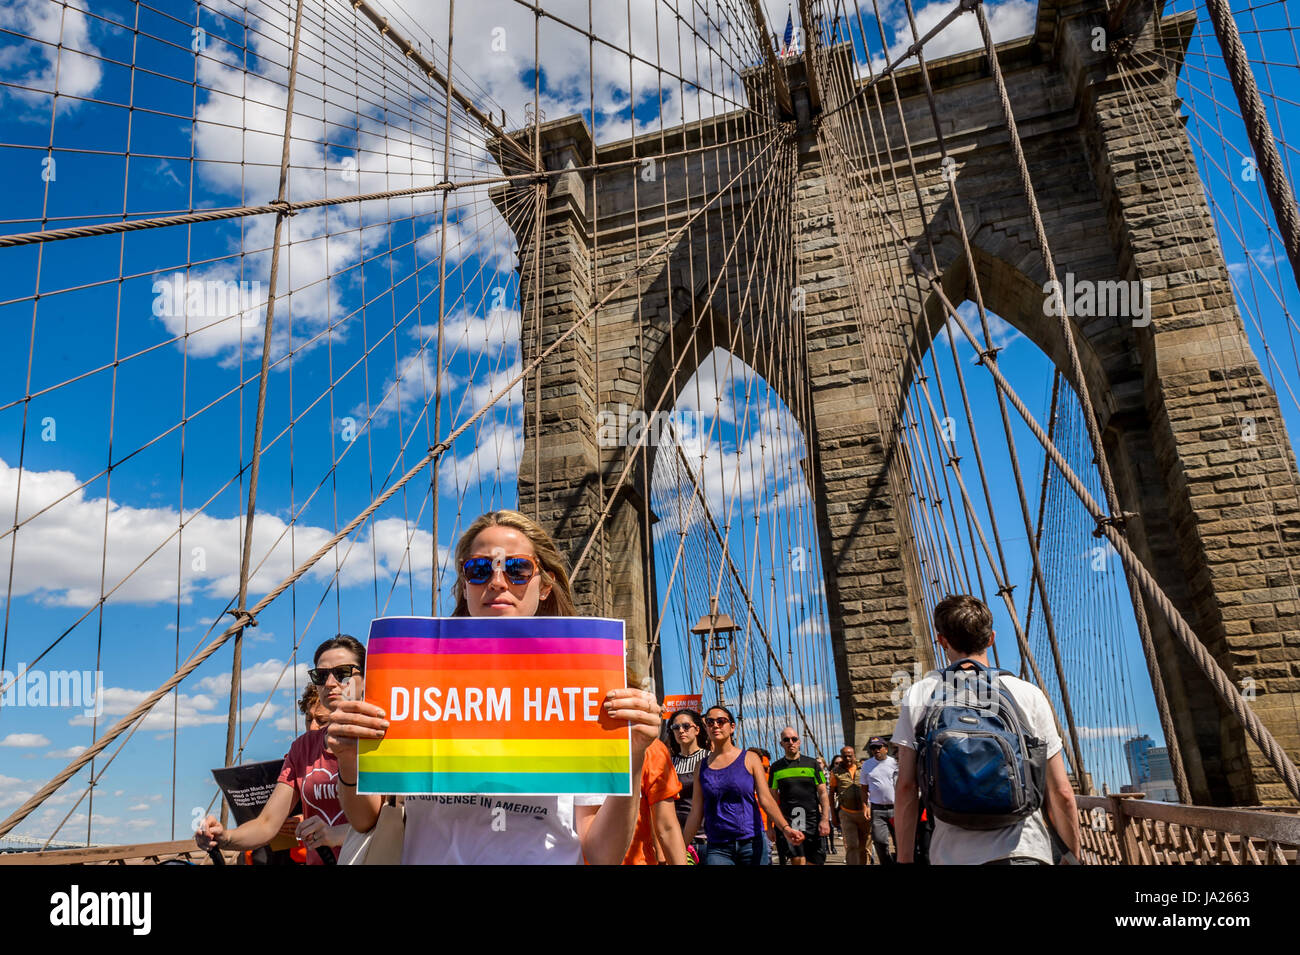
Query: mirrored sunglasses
point(517, 568)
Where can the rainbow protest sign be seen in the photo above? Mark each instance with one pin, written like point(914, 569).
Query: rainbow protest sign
point(496, 705)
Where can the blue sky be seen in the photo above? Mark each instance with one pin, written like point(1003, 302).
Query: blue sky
point(354, 349)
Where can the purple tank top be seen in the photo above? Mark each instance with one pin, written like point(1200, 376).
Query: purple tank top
point(730, 807)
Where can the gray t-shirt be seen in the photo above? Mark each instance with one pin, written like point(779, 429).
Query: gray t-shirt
point(951, 845)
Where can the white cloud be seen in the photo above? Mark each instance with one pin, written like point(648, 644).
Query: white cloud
point(712, 390)
point(778, 699)
point(191, 710)
point(1105, 732)
point(487, 341)
point(288, 723)
point(409, 390)
point(13, 791)
point(71, 752)
point(239, 124)
point(764, 470)
point(61, 47)
point(139, 807)
point(812, 627)
point(1265, 257)
point(496, 329)
point(1002, 331)
point(24, 740)
point(258, 679)
point(474, 229)
point(1007, 20)
point(74, 526)
point(487, 384)
point(240, 118)
point(495, 458)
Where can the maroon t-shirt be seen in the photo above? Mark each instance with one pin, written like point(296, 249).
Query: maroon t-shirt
point(313, 773)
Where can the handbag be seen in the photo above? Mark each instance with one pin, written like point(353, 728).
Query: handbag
point(382, 845)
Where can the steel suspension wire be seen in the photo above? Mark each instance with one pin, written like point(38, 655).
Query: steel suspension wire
point(1167, 183)
point(1261, 136)
point(147, 704)
point(255, 459)
point(990, 354)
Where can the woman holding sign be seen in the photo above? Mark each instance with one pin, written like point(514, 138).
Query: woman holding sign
point(729, 788)
point(507, 566)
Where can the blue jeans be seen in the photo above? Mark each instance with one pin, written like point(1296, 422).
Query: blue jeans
point(741, 852)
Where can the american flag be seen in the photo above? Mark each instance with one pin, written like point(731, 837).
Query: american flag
point(787, 49)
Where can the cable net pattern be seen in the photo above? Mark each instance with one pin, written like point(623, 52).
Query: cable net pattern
point(279, 318)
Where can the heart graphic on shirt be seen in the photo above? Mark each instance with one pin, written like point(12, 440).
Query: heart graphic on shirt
point(306, 790)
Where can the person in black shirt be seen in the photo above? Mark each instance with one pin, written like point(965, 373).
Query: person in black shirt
point(800, 789)
point(685, 731)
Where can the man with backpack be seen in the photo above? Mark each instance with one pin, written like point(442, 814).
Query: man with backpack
point(982, 748)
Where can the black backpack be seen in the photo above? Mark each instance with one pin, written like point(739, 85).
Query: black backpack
point(978, 765)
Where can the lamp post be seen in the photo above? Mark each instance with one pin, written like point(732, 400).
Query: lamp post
point(713, 629)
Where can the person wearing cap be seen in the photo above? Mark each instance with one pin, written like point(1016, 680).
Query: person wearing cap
point(878, 777)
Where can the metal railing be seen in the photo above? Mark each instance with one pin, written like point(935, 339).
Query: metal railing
point(151, 853)
point(1131, 830)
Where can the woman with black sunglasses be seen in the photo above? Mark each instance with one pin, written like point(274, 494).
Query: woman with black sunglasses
point(685, 733)
point(507, 566)
point(310, 772)
point(729, 788)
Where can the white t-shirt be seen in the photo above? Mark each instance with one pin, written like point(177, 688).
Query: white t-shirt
point(951, 845)
point(493, 830)
point(880, 777)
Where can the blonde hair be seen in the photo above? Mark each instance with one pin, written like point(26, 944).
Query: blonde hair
point(554, 569)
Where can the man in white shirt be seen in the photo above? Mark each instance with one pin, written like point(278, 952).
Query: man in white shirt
point(879, 776)
point(964, 628)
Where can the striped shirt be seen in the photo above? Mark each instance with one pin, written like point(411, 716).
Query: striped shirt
point(686, 768)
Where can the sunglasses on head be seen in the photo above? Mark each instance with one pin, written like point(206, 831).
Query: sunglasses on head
point(342, 674)
point(517, 568)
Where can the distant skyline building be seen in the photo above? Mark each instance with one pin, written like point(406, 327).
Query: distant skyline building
point(1149, 768)
point(1158, 763)
point(1136, 751)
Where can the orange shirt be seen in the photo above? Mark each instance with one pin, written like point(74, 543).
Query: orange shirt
point(658, 782)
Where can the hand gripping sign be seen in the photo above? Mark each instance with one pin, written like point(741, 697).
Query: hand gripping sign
point(496, 705)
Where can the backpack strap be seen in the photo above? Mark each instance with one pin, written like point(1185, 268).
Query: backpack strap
point(992, 674)
point(922, 725)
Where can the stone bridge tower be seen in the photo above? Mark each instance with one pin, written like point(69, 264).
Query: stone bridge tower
point(1192, 429)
